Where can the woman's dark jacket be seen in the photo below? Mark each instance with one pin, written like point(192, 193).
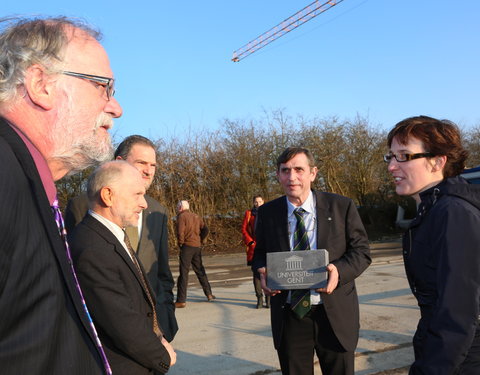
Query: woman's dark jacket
point(442, 262)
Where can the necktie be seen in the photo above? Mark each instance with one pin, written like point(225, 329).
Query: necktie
point(300, 299)
point(156, 328)
point(63, 234)
point(132, 233)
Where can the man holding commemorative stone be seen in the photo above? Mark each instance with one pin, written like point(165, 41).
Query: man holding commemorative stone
point(304, 320)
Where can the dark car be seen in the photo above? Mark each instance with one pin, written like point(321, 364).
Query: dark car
point(472, 175)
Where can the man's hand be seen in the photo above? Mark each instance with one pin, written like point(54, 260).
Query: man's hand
point(171, 352)
point(263, 282)
point(332, 280)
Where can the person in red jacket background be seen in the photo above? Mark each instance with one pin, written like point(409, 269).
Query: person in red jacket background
point(248, 233)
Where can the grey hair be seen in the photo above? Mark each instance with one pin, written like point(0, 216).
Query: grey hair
point(28, 41)
point(183, 204)
point(106, 174)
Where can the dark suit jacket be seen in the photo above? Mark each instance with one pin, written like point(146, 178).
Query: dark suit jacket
point(341, 232)
point(118, 301)
point(43, 326)
point(152, 252)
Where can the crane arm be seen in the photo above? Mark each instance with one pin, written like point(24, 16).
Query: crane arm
point(310, 11)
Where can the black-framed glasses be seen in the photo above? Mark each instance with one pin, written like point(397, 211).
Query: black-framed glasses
point(403, 157)
point(108, 83)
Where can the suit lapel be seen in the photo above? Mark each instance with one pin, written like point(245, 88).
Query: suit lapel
point(43, 207)
point(281, 225)
point(120, 250)
point(324, 220)
point(144, 234)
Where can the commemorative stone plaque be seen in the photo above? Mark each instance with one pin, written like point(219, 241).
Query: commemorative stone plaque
point(305, 269)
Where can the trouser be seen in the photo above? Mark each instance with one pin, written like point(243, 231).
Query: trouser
point(191, 256)
point(313, 333)
point(257, 284)
point(469, 366)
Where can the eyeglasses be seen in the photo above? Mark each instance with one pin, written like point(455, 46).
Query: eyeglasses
point(402, 157)
point(108, 83)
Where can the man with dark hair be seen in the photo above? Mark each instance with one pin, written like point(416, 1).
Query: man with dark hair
point(114, 283)
point(56, 107)
point(149, 237)
point(124, 148)
point(324, 320)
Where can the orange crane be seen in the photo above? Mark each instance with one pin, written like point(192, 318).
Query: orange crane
point(284, 27)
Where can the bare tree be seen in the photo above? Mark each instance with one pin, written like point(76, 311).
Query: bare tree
point(220, 171)
point(364, 159)
point(472, 144)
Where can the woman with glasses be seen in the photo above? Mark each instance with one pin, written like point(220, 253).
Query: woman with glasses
point(441, 247)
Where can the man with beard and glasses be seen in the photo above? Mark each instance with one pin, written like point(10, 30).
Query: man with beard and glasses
point(56, 107)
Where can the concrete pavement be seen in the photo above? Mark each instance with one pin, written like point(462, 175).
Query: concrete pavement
point(231, 337)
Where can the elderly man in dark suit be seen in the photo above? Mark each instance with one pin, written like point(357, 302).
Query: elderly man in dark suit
point(149, 236)
point(113, 279)
point(56, 106)
point(325, 320)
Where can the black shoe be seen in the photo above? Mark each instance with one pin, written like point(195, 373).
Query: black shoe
point(267, 302)
point(259, 302)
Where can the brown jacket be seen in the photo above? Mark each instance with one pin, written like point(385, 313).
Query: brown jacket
point(191, 229)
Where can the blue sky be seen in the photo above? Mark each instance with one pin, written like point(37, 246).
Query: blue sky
point(383, 59)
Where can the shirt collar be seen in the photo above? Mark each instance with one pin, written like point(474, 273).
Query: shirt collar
point(308, 205)
point(41, 165)
point(114, 228)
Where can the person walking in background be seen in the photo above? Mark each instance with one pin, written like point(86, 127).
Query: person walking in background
point(56, 107)
point(191, 231)
point(115, 285)
point(248, 234)
point(325, 320)
point(441, 247)
point(149, 237)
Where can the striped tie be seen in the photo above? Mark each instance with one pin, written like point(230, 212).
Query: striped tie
point(300, 237)
point(300, 299)
point(63, 233)
point(145, 285)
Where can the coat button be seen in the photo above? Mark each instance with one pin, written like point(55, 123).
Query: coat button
point(149, 314)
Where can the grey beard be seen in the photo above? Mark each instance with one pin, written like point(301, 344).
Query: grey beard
point(81, 156)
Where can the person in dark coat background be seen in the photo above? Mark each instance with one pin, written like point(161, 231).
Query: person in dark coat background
point(442, 245)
